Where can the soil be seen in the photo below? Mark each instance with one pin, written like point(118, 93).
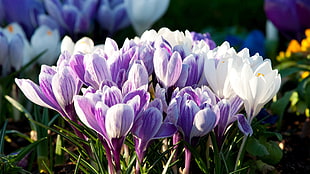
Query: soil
point(296, 145)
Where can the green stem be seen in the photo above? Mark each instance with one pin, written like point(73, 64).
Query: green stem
point(217, 159)
point(240, 153)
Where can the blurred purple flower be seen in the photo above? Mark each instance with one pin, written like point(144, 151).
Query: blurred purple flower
point(289, 16)
point(254, 41)
point(72, 16)
point(11, 53)
point(205, 37)
point(2, 13)
point(24, 12)
point(112, 15)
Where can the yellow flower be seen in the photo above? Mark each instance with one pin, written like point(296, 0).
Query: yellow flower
point(304, 74)
point(293, 47)
point(305, 43)
point(296, 47)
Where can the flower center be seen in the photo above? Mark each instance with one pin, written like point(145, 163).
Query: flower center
point(260, 74)
point(10, 28)
point(49, 33)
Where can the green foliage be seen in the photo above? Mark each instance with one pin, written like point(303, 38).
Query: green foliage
point(264, 146)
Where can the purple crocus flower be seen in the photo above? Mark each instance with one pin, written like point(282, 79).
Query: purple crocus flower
point(149, 126)
point(73, 16)
point(142, 50)
point(112, 67)
point(206, 37)
point(167, 64)
point(227, 113)
point(24, 12)
point(111, 115)
point(112, 15)
point(289, 16)
point(57, 86)
point(193, 113)
point(137, 77)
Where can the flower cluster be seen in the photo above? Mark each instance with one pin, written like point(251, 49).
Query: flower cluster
point(294, 62)
point(41, 24)
point(79, 17)
point(296, 49)
point(162, 84)
point(16, 50)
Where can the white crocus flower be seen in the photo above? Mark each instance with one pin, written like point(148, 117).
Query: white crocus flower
point(255, 86)
point(144, 13)
point(217, 65)
point(84, 45)
point(174, 38)
point(48, 40)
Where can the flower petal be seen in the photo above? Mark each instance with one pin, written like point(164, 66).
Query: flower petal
point(33, 93)
point(203, 123)
point(119, 120)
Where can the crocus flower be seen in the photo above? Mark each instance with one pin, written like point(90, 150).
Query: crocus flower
point(227, 112)
point(255, 84)
point(83, 45)
point(56, 89)
point(289, 16)
point(24, 12)
point(193, 113)
point(143, 14)
point(45, 39)
point(112, 15)
point(167, 65)
point(11, 53)
point(205, 37)
point(216, 69)
point(111, 66)
point(150, 126)
point(13, 29)
point(111, 115)
point(72, 16)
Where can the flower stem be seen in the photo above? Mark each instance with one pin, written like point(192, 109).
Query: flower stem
point(188, 156)
point(217, 159)
point(108, 155)
point(240, 153)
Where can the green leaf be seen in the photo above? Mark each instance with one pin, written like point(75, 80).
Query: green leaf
point(168, 162)
point(28, 149)
point(26, 137)
point(255, 148)
point(275, 153)
point(280, 105)
point(21, 108)
point(289, 71)
point(2, 134)
point(268, 134)
point(59, 156)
